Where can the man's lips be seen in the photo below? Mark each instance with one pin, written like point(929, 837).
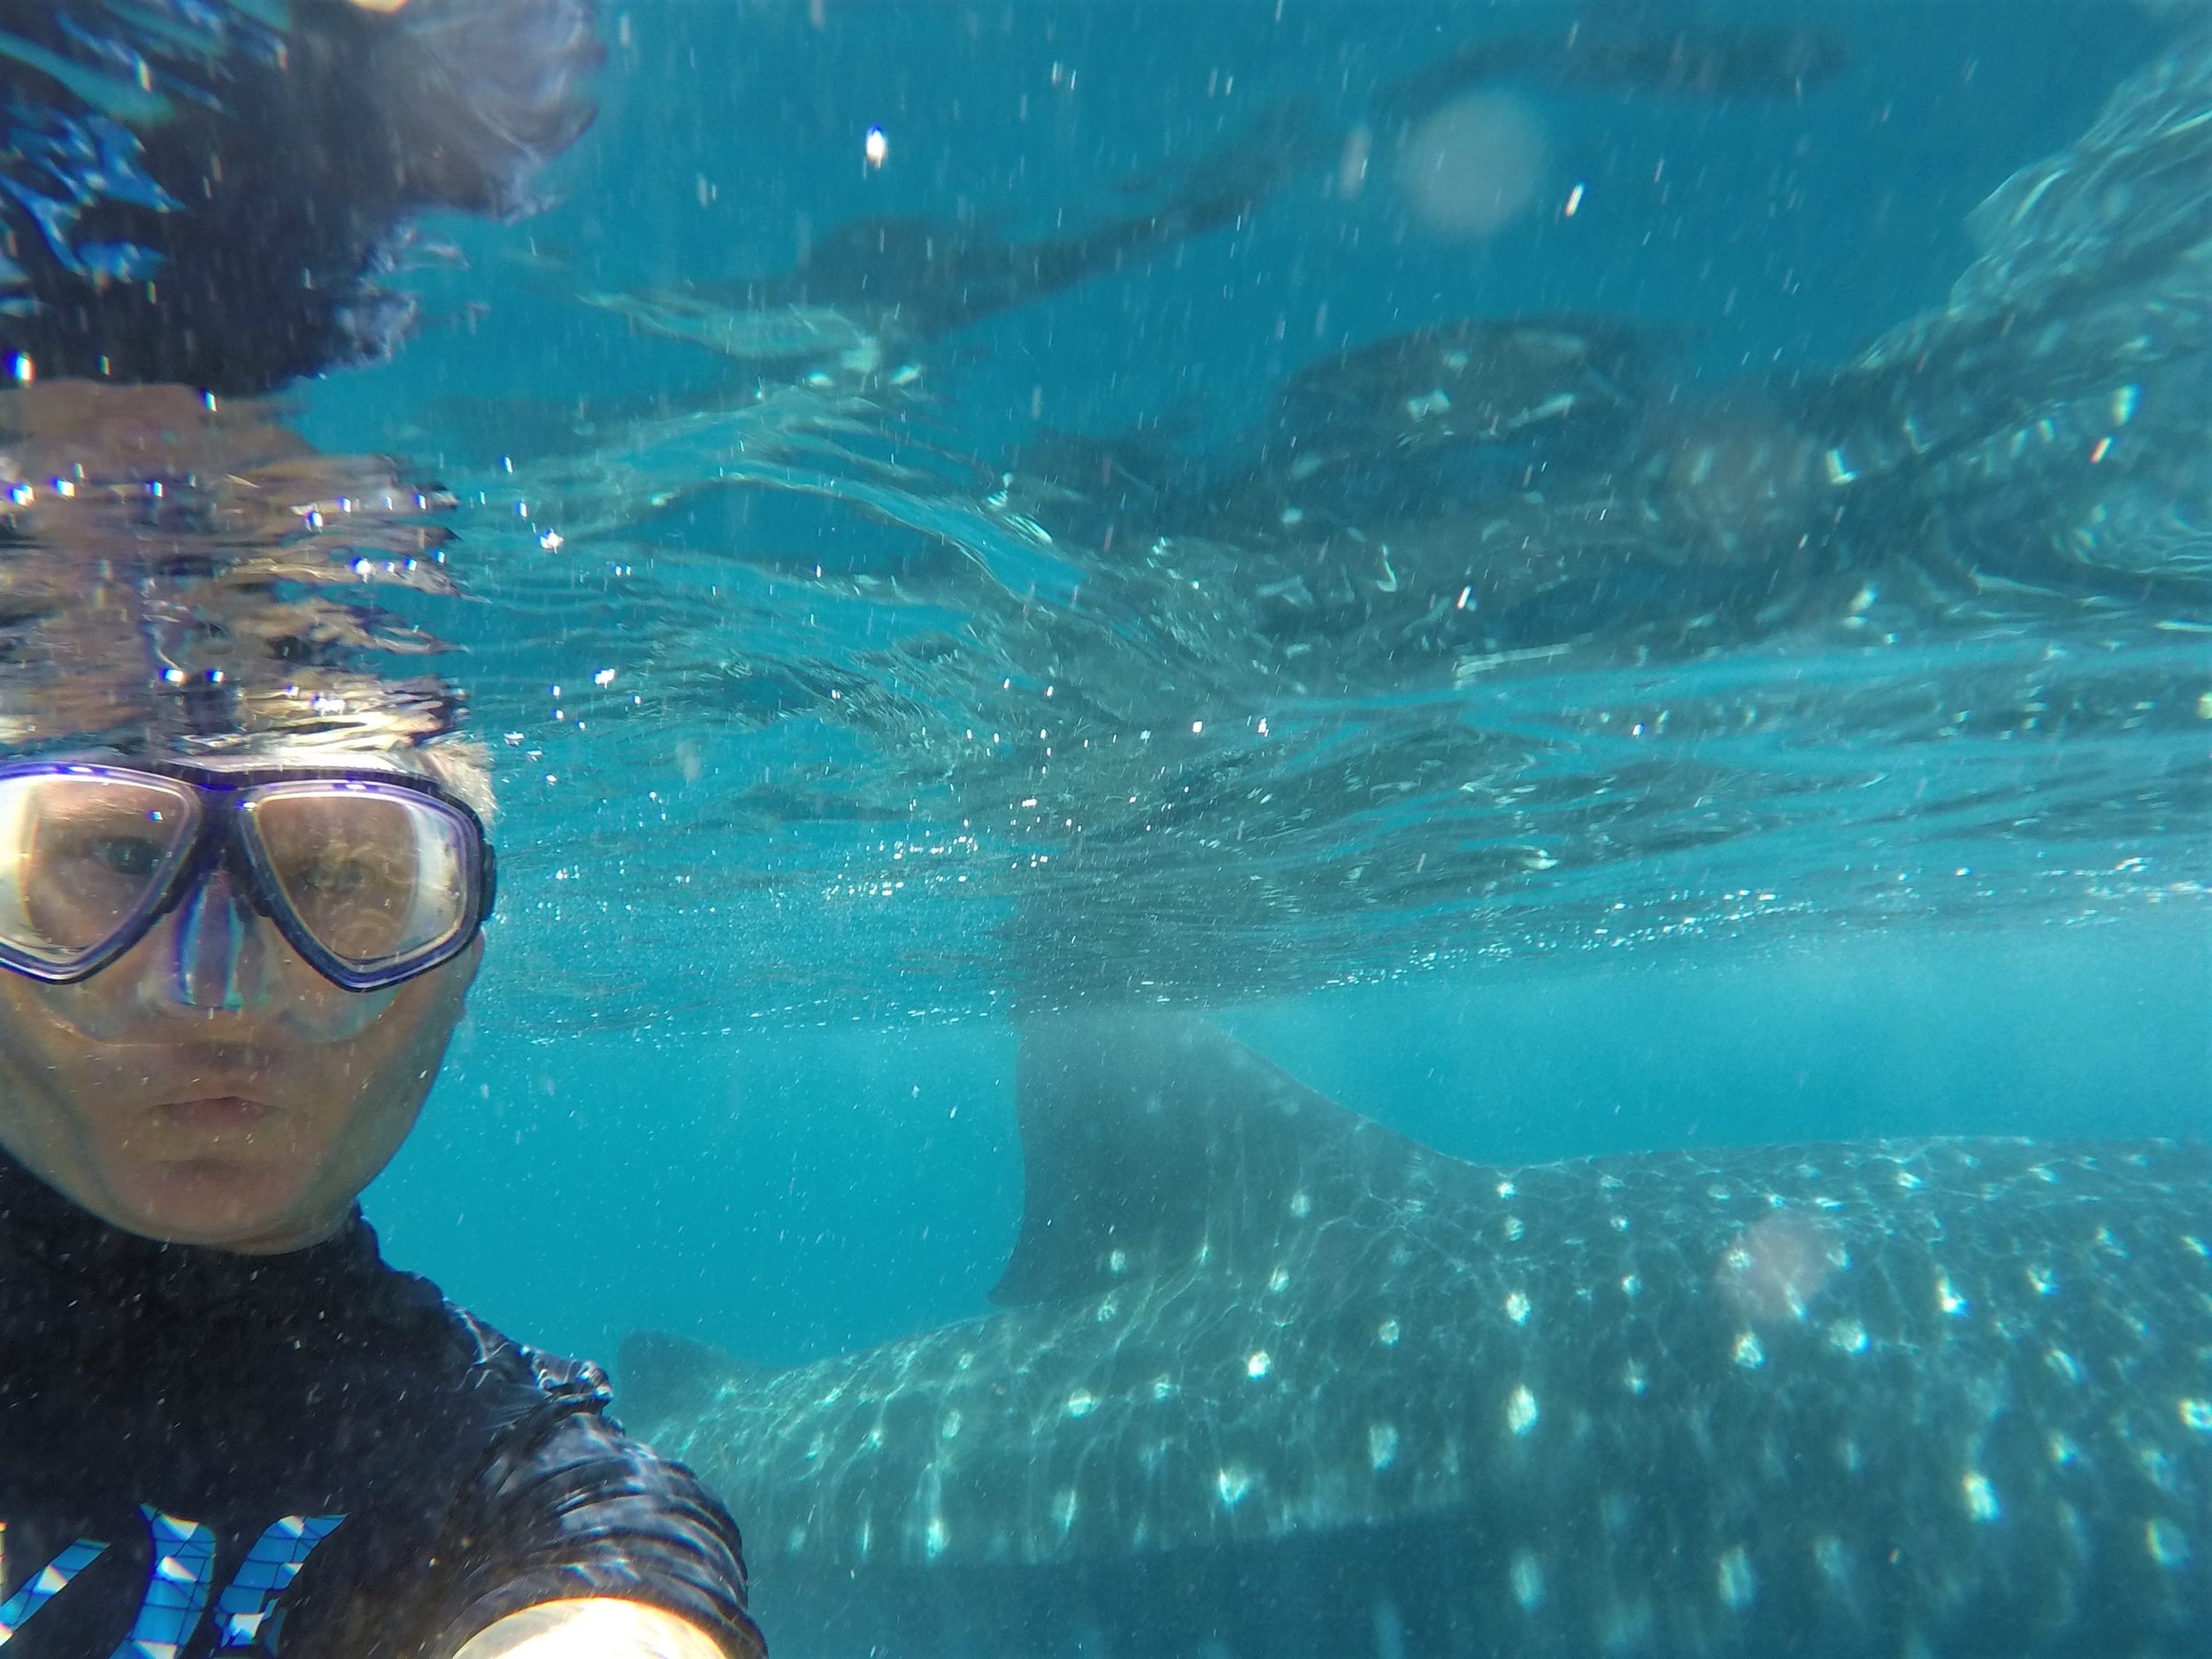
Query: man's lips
point(215, 1114)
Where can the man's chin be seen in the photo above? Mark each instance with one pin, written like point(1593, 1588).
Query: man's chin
point(229, 1202)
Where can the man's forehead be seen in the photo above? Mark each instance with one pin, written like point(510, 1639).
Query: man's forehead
point(262, 756)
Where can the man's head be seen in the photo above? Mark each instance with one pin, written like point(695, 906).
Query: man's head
point(221, 1080)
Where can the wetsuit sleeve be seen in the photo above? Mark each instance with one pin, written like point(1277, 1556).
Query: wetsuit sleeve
point(571, 1507)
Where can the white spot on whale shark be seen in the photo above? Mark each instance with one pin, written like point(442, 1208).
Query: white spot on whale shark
point(1737, 1582)
point(1981, 1497)
point(2167, 1544)
point(1527, 1576)
point(1828, 1557)
point(1382, 1444)
point(1520, 1410)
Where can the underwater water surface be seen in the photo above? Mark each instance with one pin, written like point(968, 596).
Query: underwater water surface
point(1129, 503)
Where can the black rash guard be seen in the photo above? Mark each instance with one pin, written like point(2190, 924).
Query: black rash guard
point(311, 1454)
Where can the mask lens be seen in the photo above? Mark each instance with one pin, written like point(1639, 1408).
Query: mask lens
point(377, 877)
point(82, 858)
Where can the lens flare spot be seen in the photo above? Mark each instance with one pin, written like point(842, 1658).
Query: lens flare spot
point(1472, 167)
point(1773, 1269)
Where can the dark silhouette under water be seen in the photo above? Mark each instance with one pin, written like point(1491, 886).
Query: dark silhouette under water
point(893, 279)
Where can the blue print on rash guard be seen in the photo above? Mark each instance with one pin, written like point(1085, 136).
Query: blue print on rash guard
point(177, 1586)
point(176, 1589)
point(241, 1612)
point(42, 1584)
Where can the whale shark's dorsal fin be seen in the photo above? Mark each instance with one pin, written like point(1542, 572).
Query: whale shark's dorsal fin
point(1146, 1138)
point(659, 1375)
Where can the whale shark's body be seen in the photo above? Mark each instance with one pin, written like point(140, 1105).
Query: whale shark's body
point(1272, 1381)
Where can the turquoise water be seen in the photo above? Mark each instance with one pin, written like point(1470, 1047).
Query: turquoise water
point(797, 1192)
point(1764, 700)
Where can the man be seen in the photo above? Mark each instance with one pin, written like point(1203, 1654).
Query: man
point(241, 883)
point(225, 1425)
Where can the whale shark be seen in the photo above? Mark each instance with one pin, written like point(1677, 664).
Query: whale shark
point(1266, 1379)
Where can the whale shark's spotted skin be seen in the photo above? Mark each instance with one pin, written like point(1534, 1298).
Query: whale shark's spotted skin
point(1276, 1381)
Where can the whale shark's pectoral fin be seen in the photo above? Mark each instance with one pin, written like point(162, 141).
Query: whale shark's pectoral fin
point(659, 1376)
point(1151, 1140)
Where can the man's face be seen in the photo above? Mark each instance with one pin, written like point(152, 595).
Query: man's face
point(251, 1129)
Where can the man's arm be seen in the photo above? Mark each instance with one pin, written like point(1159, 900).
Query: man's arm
point(574, 1541)
point(597, 1627)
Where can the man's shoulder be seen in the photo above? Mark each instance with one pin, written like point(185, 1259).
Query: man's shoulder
point(528, 1381)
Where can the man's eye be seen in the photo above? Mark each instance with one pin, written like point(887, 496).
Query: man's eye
point(339, 876)
point(342, 872)
point(137, 856)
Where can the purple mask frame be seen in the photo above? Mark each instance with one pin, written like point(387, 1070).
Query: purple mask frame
point(218, 838)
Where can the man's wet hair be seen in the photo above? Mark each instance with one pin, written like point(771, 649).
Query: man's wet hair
point(223, 218)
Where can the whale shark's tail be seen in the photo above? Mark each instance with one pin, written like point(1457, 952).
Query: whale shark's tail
point(1146, 1137)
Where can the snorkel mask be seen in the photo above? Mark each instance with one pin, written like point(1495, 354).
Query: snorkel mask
point(371, 875)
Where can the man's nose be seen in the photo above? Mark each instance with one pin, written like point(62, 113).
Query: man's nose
point(215, 957)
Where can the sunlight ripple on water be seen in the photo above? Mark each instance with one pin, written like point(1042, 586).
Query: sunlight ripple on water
point(809, 703)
